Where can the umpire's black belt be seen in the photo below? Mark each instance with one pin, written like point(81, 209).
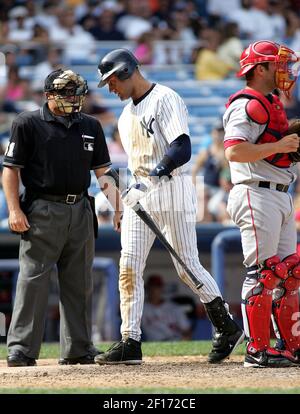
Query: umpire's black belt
point(66, 199)
point(279, 187)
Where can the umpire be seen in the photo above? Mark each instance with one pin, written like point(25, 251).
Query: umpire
point(53, 150)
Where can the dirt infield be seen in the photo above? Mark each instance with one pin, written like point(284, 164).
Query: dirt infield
point(191, 372)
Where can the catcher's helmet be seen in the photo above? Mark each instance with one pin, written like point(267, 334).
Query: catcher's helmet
point(63, 84)
point(121, 62)
point(258, 52)
point(287, 62)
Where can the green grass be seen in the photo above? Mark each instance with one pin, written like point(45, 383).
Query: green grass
point(51, 350)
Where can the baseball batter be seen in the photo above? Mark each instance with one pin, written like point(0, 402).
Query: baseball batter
point(257, 146)
point(154, 132)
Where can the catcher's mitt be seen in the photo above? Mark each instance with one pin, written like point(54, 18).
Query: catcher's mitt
point(294, 128)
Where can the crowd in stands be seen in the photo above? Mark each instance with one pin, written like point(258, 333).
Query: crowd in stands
point(39, 36)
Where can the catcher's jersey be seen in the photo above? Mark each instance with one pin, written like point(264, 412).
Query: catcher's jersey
point(238, 126)
point(148, 126)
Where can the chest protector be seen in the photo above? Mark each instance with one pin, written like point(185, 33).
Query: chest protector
point(263, 111)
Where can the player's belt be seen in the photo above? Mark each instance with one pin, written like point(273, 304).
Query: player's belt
point(273, 186)
point(67, 198)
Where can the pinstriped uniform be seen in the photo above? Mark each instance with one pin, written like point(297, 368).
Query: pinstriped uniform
point(147, 127)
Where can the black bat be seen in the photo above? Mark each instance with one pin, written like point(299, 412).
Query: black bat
point(151, 224)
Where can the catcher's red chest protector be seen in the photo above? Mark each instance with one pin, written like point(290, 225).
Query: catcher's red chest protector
point(260, 110)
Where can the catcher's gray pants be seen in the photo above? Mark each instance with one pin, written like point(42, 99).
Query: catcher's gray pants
point(266, 221)
point(59, 234)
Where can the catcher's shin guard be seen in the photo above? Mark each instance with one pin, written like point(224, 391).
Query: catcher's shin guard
point(257, 303)
point(286, 305)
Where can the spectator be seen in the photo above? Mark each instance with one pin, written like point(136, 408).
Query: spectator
point(241, 17)
point(116, 151)
point(276, 10)
point(104, 27)
point(260, 21)
point(48, 17)
point(163, 320)
point(209, 66)
point(40, 38)
point(15, 90)
point(40, 34)
point(93, 106)
point(181, 24)
point(182, 31)
point(221, 10)
point(217, 205)
point(136, 21)
point(87, 9)
point(144, 50)
point(211, 161)
point(37, 97)
point(231, 46)
point(4, 31)
point(52, 62)
point(78, 43)
point(18, 32)
point(292, 25)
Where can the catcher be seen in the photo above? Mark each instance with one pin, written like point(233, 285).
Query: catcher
point(262, 150)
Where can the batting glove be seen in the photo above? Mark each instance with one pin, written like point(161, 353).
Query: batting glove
point(134, 193)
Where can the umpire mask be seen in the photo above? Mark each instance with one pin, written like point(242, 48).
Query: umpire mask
point(68, 90)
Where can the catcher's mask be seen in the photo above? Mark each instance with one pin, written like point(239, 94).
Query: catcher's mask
point(68, 90)
point(287, 62)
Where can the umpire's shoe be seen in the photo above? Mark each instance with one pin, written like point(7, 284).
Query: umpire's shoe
point(83, 360)
point(127, 352)
point(228, 335)
point(19, 359)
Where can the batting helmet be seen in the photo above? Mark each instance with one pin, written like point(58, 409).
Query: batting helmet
point(121, 62)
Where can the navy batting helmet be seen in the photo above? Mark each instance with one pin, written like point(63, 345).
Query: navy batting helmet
point(121, 62)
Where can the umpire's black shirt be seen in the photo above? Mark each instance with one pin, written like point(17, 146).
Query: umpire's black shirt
point(56, 154)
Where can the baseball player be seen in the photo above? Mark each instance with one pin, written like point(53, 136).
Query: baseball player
point(154, 132)
point(258, 147)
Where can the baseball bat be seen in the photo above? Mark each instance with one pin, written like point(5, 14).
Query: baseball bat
point(147, 219)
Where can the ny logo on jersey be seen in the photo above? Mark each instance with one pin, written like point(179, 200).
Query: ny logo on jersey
point(147, 126)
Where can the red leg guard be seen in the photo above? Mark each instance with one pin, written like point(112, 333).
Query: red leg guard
point(258, 303)
point(286, 308)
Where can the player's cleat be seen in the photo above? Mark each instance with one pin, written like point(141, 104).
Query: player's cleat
point(293, 357)
point(19, 359)
point(228, 335)
point(127, 352)
point(224, 344)
point(269, 358)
